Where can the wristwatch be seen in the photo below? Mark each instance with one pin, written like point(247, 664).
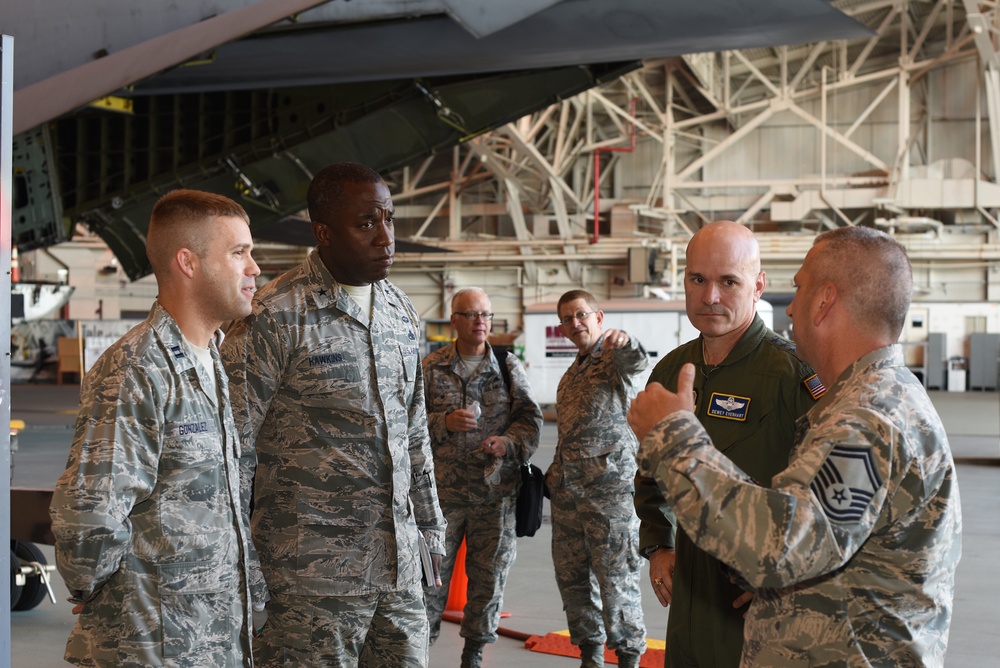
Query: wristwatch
point(649, 549)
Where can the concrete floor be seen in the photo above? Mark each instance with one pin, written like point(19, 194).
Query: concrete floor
point(972, 421)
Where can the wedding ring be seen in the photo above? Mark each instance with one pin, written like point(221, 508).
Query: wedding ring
point(658, 582)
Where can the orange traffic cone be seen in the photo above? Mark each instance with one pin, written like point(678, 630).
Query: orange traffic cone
point(457, 595)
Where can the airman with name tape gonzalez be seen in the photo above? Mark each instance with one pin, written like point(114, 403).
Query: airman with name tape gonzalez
point(151, 531)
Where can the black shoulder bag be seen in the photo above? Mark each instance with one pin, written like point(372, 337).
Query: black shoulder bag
point(528, 514)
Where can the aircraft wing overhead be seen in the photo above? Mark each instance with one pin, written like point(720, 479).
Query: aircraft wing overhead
point(572, 32)
point(260, 148)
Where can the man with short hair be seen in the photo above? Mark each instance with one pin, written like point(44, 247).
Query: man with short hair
point(594, 526)
point(151, 536)
point(329, 394)
point(852, 551)
point(477, 461)
point(750, 387)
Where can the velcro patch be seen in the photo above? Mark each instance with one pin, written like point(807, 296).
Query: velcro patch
point(728, 406)
point(815, 386)
point(846, 483)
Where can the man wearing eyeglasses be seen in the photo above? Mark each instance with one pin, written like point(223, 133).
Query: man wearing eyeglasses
point(481, 432)
point(595, 531)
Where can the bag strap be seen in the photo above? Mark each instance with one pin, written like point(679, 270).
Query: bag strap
point(501, 354)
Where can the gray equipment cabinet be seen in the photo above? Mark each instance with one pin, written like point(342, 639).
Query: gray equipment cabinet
point(937, 360)
point(984, 351)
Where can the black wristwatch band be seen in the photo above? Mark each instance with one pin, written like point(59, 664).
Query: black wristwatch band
point(649, 549)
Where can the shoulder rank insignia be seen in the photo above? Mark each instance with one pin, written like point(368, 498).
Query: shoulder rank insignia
point(846, 483)
point(783, 343)
point(815, 386)
point(728, 406)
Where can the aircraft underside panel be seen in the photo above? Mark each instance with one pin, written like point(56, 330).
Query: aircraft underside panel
point(262, 147)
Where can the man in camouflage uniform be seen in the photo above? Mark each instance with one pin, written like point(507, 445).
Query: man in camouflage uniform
point(477, 463)
point(151, 537)
point(853, 550)
point(328, 391)
point(750, 389)
point(594, 526)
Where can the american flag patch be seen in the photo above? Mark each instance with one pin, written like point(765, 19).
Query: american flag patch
point(815, 386)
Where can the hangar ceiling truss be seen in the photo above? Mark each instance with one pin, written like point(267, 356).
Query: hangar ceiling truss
point(791, 140)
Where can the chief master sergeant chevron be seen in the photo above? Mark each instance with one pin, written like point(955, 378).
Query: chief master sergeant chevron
point(327, 388)
point(853, 549)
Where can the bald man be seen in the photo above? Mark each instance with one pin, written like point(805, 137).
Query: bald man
point(750, 388)
point(151, 535)
point(853, 548)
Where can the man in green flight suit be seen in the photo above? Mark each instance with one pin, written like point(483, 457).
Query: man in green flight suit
point(750, 387)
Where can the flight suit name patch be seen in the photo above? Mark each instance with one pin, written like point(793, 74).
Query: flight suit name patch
point(728, 406)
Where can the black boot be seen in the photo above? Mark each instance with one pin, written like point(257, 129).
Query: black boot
point(472, 654)
point(591, 656)
point(627, 658)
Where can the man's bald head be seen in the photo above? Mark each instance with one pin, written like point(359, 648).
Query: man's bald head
point(724, 237)
point(722, 284)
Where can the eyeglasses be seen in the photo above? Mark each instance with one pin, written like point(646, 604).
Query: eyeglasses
point(581, 316)
point(472, 316)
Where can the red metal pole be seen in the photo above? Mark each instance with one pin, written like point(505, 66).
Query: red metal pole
point(597, 174)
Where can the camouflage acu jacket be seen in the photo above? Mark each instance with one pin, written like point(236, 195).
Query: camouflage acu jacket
point(459, 463)
point(148, 525)
point(334, 411)
point(854, 549)
point(592, 401)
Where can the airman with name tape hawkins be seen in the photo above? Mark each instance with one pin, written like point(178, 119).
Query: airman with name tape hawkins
point(328, 393)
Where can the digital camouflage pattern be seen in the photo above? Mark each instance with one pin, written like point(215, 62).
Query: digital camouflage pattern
point(762, 372)
point(594, 526)
point(853, 551)
point(478, 499)
point(149, 530)
point(339, 637)
point(333, 408)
